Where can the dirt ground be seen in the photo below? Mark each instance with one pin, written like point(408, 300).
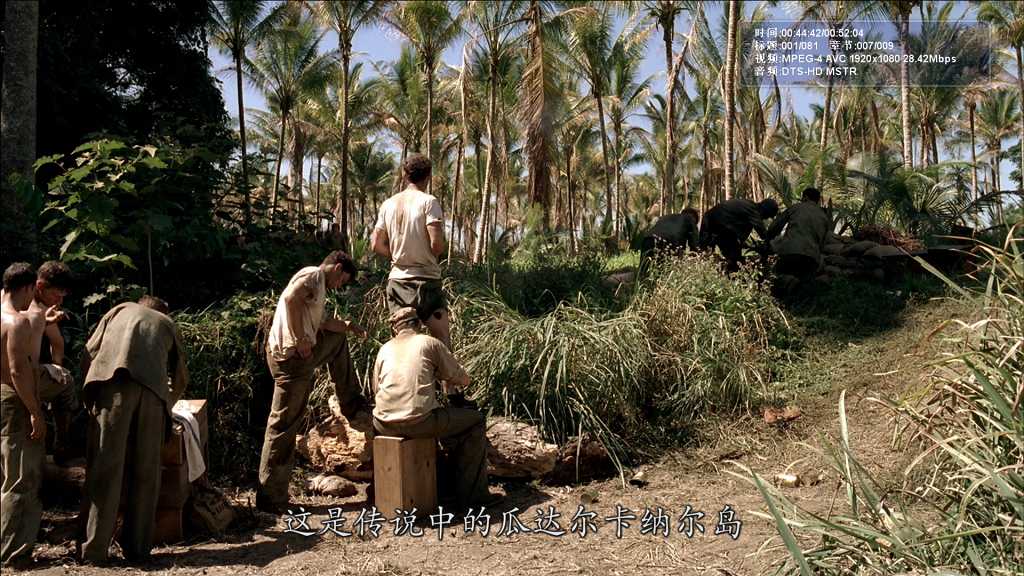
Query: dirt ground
point(891, 363)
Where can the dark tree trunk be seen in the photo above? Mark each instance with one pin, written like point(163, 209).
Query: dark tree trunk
point(18, 150)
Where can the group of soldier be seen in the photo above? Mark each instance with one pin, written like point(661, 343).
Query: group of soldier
point(797, 236)
point(134, 369)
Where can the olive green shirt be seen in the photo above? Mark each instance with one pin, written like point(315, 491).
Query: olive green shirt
point(806, 230)
point(144, 342)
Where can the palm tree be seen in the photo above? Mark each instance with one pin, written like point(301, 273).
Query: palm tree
point(836, 14)
point(588, 48)
point(626, 95)
point(430, 27)
point(996, 117)
point(235, 25)
point(898, 12)
point(664, 13)
point(494, 23)
point(1007, 18)
point(734, 12)
point(289, 69)
point(401, 104)
point(346, 18)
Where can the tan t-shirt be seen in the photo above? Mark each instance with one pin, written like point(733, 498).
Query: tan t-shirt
point(405, 217)
point(405, 376)
point(282, 342)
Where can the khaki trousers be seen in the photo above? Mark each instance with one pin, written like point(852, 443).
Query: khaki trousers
point(127, 424)
point(293, 383)
point(463, 433)
point(21, 463)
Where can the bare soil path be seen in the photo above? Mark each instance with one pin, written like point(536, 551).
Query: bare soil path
point(890, 363)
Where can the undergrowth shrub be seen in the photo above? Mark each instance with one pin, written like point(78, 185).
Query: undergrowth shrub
point(689, 340)
point(961, 509)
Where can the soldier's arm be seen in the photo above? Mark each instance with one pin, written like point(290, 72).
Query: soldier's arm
point(436, 232)
point(449, 368)
point(778, 224)
point(379, 242)
point(22, 370)
point(56, 339)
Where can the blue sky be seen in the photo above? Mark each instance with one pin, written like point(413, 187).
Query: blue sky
point(380, 43)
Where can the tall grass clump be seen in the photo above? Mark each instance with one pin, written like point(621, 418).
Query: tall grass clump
point(962, 506)
point(688, 339)
point(226, 362)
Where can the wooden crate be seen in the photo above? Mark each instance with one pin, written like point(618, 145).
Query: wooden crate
point(174, 486)
point(170, 526)
point(405, 475)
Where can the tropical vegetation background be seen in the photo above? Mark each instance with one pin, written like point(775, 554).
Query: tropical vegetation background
point(559, 131)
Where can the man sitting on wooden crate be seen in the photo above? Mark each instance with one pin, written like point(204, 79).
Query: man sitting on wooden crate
point(129, 397)
point(406, 375)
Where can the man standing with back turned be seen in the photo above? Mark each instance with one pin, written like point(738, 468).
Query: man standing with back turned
point(135, 372)
point(410, 231)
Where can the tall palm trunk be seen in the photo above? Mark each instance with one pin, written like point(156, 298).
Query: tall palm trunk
point(668, 178)
point(974, 152)
point(455, 194)
point(571, 201)
point(619, 210)
point(277, 170)
point(430, 119)
point(825, 115)
point(246, 210)
point(1020, 87)
point(730, 96)
point(480, 254)
point(610, 209)
point(341, 213)
point(319, 172)
point(908, 152)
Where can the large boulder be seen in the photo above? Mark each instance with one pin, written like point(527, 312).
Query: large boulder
point(333, 446)
point(516, 450)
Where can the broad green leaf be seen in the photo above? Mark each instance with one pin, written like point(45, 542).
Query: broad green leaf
point(69, 240)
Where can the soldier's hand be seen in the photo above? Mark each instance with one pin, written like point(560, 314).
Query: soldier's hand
point(357, 330)
point(54, 314)
point(304, 349)
point(38, 427)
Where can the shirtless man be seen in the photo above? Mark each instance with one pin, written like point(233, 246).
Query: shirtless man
point(22, 426)
point(56, 388)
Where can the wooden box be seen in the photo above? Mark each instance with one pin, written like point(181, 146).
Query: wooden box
point(170, 528)
point(174, 486)
point(405, 475)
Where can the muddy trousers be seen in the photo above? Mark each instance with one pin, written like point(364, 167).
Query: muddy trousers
point(293, 383)
point(21, 462)
point(126, 433)
point(463, 433)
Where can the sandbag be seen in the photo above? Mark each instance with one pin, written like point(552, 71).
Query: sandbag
point(881, 252)
point(834, 248)
point(858, 248)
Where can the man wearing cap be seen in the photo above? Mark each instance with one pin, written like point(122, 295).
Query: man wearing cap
point(410, 232)
point(301, 340)
point(406, 376)
point(729, 224)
